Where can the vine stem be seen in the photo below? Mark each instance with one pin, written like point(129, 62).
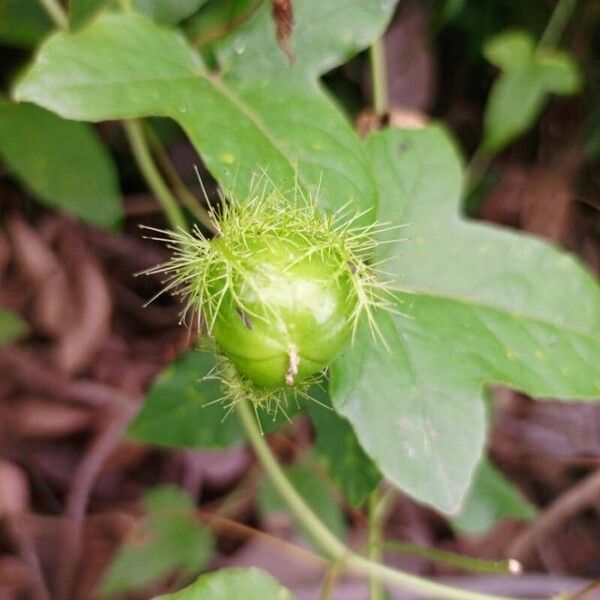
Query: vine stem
point(379, 77)
point(56, 12)
point(558, 21)
point(139, 146)
point(376, 517)
point(476, 168)
point(467, 563)
point(185, 196)
point(342, 556)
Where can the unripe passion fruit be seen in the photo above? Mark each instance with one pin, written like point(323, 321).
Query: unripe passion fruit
point(288, 315)
point(281, 287)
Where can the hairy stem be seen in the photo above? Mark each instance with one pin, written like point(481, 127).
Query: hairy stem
point(141, 153)
point(327, 542)
point(56, 12)
point(379, 77)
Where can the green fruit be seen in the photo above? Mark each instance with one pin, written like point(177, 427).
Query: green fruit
point(280, 288)
point(289, 315)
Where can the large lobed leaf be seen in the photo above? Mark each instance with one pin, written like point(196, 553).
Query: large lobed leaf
point(246, 118)
point(479, 305)
point(168, 12)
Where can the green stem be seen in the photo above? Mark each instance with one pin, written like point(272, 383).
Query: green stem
point(376, 516)
point(141, 153)
point(557, 23)
point(329, 581)
point(467, 563)
point(379, 77)
point(56, 12)
point(186, 197)
point(476, 168)
point(327, 542)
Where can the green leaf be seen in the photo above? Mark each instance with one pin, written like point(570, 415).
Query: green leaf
point(216, 18)
point(420, 421)
point(509, 50)
point(325, 35)
point(168, 12)
point(167, 497)
point(492, 497)
point(62, 163)
point(185, 408)
point(247, 119)
point(80, 11)
point(23, 23)
point(227, 584)
point(559, 73)
point(450, 10)
point(314, 492)
point(520, 92)
point(479, 305)
point(169, 539)
point(12, 326)
point(514, 104)
point(351, 469)
point(181, 408)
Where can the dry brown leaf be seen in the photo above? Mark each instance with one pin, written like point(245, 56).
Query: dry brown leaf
point(283, 16)
point(39, 418)
point(42, 270)
point(89, 325)
point(14, 489)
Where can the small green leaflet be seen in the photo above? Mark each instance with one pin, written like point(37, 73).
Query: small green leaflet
point(12, 326)
point(232, 584)
point(169, 539)
point(529, 75)
point(182, 407)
